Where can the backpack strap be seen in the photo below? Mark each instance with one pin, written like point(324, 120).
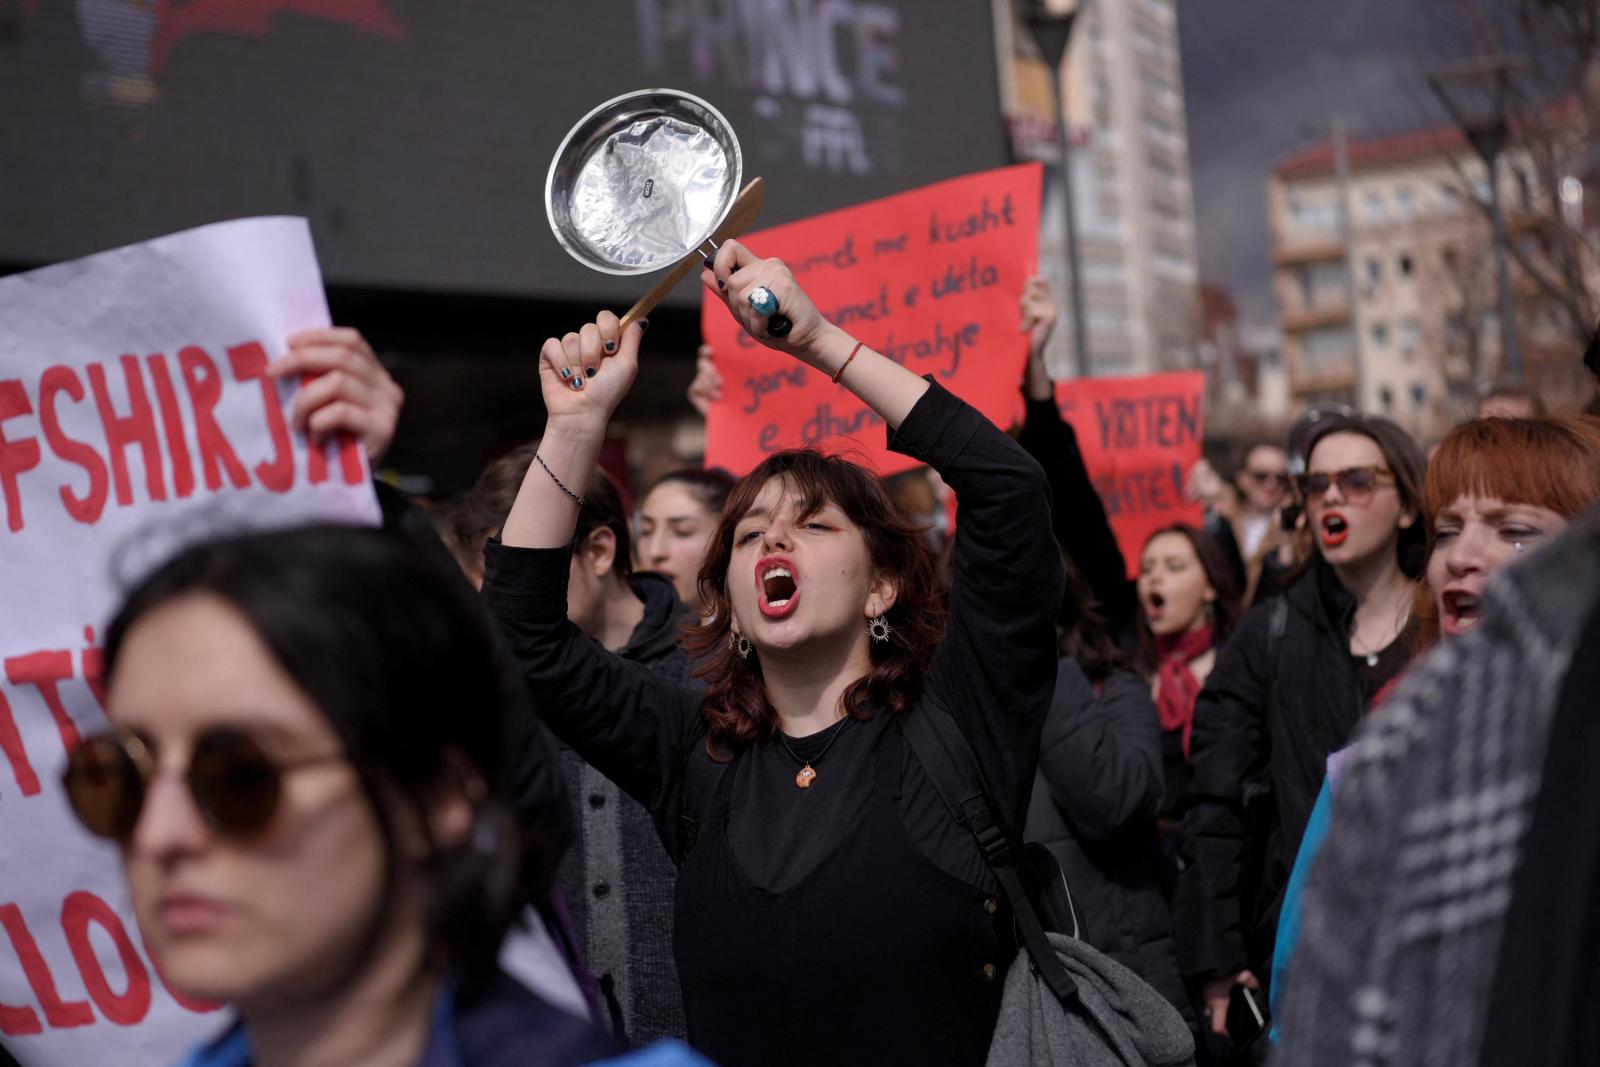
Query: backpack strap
point(952, 767)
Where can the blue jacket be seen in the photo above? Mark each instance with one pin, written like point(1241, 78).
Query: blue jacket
point(506, 1027)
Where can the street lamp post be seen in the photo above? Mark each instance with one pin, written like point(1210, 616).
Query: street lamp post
point(1052, 31)
point(1486, 132)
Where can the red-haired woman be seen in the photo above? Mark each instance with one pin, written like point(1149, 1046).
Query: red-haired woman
point(1495, 489)
point(828, 908)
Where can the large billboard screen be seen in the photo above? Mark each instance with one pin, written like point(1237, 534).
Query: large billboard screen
point(416, 134)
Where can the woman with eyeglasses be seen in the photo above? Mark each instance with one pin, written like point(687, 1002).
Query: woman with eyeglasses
point(306, 777)
point(1496, 489)
point(1288, 690)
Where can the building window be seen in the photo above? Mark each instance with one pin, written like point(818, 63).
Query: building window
point(1419, 396)
point(1410, 336)
point(1405, 264)
point(1331, 348)
point(1374, 271)
point(1404, 203)
point(1374, 207)
point(1380, 335)
point(1386, 398)
point(1323, 285)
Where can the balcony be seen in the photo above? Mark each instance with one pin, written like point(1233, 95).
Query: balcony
point(1302, 320)
point(1307, 248)
point(1321, 379)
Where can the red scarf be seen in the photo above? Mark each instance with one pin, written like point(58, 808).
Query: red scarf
point(1178, 685)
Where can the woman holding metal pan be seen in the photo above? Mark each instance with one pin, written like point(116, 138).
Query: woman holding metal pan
point(307, 781)
point(1289, 689)
point(829, 908)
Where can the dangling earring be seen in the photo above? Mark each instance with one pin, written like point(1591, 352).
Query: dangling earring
point(739, 643)
point(878, 629)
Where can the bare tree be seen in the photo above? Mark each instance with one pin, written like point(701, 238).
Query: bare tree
point(1553, 116)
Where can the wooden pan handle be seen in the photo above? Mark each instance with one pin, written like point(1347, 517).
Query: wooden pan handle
point(740, 218)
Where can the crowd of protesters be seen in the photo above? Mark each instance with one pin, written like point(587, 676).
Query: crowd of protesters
point(1318, 754)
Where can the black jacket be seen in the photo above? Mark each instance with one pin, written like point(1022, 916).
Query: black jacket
point(617, 878)
point(1078, 519)
point(1094, 807)
point(1275, 706)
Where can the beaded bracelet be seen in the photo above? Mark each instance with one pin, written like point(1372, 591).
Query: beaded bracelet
point(559, 484)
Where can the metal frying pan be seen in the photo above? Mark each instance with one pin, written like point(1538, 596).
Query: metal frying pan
point(646, 182)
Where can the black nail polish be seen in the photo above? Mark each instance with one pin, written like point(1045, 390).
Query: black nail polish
point(592, 371)
point(566, 372)
point(711, 264)
point(721, 284)
point(611, 346)
point(644, 324)
point(579, 381)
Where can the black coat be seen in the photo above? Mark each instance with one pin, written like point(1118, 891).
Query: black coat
point(1094, 806)
point(1273, 709)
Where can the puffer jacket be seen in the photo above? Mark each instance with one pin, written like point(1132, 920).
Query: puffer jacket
point(1095, 799)
point(1283, 696)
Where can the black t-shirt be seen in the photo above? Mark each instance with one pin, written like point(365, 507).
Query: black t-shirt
point(995, 671)
point(1378, 670)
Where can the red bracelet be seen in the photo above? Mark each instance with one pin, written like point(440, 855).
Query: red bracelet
point(846, 362)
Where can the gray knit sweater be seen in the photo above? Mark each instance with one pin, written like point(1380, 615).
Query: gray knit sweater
point(1406, 904)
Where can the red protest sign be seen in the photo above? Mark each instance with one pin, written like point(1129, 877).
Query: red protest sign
point(1139, 437)
point(930, 278)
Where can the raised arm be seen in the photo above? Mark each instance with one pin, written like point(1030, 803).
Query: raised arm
point(631, 725)
point(1078, 516)
point(885, 386)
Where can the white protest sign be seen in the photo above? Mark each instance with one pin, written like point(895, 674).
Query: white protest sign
point(135, 416)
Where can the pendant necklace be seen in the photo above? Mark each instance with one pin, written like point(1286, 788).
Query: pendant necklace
point(807, 774)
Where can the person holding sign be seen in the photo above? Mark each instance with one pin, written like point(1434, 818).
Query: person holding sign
point(306, 835)
point(829, 908)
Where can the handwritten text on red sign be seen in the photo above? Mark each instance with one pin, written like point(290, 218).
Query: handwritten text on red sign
point(930, 278)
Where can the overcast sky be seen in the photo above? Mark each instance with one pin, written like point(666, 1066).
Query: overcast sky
point(1259, 75)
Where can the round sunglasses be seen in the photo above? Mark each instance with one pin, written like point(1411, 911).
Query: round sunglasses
point(235, 785)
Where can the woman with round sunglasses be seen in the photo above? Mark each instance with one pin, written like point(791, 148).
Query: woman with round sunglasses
point(1287, 691)
point(306, 777)
point(829, 908)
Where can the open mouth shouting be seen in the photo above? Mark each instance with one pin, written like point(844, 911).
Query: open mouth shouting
point(778, 586)
point(1335, 529)
point(1460, 612)
point(1153, 605)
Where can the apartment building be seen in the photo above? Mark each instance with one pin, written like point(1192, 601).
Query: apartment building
point(1402, 318)
point(1134, 202)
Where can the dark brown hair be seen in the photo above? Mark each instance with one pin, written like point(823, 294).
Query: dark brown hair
point(736, 707)
point(709, 485)
point(1081, 631)
point(1226, 608)
point(1406, 462)
point(603, 509)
